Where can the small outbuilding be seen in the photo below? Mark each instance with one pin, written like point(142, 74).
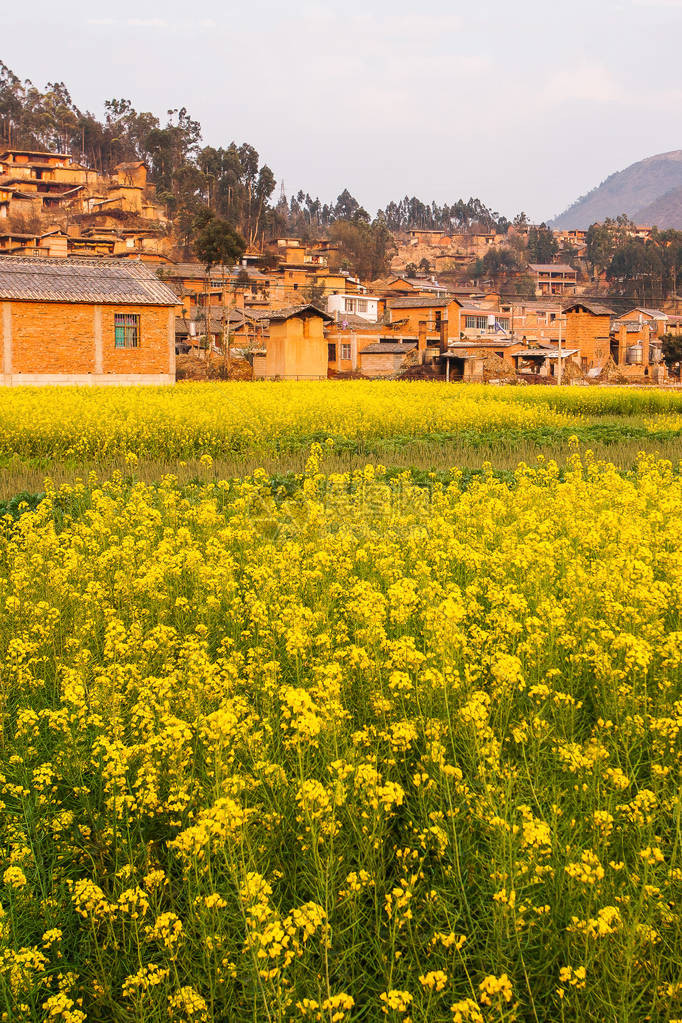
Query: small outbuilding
point(387, 358)
point(74, 321)
point(296, 348)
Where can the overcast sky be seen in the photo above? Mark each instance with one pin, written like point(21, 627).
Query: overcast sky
point(525, 104)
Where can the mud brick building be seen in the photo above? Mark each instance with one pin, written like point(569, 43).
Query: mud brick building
point(588, 329)
point(85, 322)
point(553, 279)
point(296, 348)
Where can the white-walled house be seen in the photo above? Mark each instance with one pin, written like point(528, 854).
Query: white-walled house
point(365, 306)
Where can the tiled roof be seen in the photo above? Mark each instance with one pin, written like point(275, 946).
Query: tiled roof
point(563, 268)
point(657, 314)
point(424, 284)
point(418, 303)
point(195, 270)
point(112, 282)
point(288, 312)
point(351, 321)
point(382, 348)
point(592, 307)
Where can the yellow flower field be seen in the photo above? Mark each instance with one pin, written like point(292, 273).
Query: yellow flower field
point(191, 419)
point(358, 747)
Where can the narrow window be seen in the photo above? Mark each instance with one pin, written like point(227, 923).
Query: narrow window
point(345, 352)
point(126, 330)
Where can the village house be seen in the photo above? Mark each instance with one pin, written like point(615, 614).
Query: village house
point(553, 278)
point(481, 320)
point(50, 243)
point(426, 235)
point(388, 357)
point(543, 361)
point(296, 348)
point(77, 322)
point(588, 331)
point(637, 351)
point(404, 287)
point(435, 314)
point(657, 321)
point(348, 336)
point(468, 361)
point(56, 190)
point(364, 306)
point(217, 328)
point(537, 320)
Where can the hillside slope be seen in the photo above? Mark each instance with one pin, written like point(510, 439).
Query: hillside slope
point(663, 212)
point(633, 191)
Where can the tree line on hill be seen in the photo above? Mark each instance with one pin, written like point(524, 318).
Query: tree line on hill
point(220, 198)
point(644, 269)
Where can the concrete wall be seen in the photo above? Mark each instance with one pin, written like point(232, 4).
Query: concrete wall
point(73, 343)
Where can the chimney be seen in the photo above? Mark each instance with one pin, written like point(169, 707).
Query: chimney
point(622, 344)
point(444, 335)
point(646, 332)
point(421, 345)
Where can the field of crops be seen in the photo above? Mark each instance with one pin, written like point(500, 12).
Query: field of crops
point(337, 745)
point(423, 425)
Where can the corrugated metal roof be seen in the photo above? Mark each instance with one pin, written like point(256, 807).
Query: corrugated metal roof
point(113, 282)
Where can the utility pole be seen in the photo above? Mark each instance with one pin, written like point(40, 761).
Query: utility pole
point(561, 369)
point(226, 327)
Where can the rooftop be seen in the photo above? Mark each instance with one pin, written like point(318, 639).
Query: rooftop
point(544, 353)
point(33, 152)
point(291, 311)
point(559, 268)
point(656, 314)
point(419, 303)
point(592, 307)
point(389, 348)
point(111, 282)
point(351, 321)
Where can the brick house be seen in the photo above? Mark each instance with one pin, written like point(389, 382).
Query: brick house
point(85, 322)
point(553, 279)
point(588, 330)
point(434, 313)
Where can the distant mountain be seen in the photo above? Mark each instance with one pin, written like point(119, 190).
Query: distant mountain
point(649, 192)
point(663, 212)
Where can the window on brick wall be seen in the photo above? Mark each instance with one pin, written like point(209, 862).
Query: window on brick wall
point(345, 352)
point(126, 330)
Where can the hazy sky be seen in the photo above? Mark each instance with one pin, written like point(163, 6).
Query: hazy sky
point(525, 104)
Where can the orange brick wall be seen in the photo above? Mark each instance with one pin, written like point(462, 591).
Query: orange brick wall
point(53, 338)
point(590, 334)
point(151, 356)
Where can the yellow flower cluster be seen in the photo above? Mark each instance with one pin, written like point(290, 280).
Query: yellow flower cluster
point(360, 746)
point(209, 420)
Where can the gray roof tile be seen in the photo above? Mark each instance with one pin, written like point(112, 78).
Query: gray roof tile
point(110, 282)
